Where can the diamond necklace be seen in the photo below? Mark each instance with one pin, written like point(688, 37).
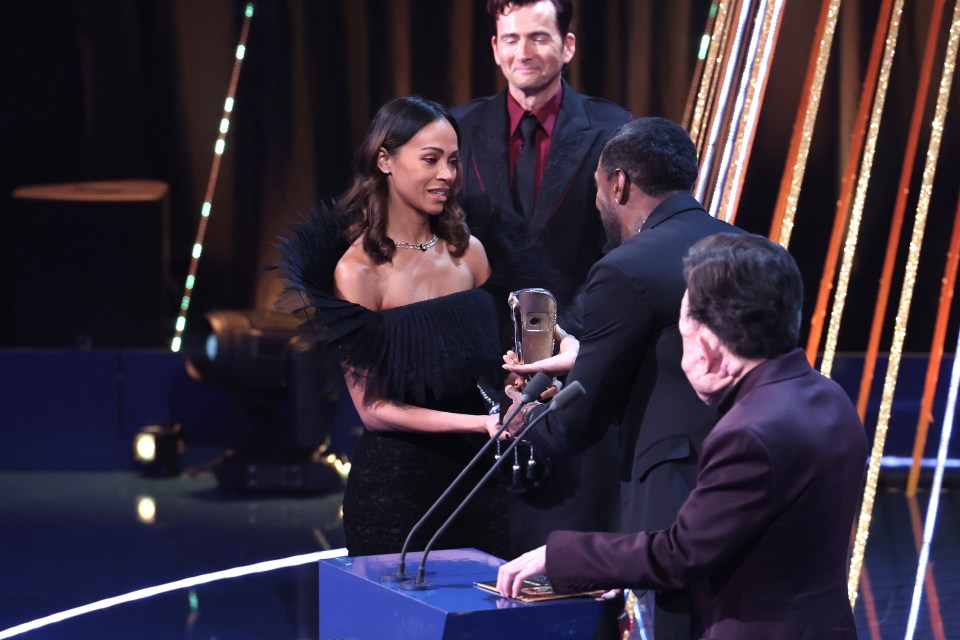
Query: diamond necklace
point(423, 246)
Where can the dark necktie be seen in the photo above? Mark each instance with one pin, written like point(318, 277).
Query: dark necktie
point(525, 171)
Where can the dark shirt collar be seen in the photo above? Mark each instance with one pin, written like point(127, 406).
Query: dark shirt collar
point(546, 114)
point(731, 398)
point(789, 364)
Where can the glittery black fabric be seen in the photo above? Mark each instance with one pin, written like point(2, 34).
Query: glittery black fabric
point(430, 354)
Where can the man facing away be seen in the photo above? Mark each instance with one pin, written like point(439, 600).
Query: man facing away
point(628, 358)
point(762, 540)
point(548, 182)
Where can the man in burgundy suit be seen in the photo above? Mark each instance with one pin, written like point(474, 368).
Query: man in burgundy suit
point(762, 540)
point(549, 182)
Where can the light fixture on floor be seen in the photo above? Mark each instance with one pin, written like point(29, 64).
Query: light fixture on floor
point(157, 449)
point(283, 413)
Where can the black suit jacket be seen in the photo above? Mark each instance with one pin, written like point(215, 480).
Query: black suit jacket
point(629, 364)
point(762, 541)
point(581, 492)
point(565, 222)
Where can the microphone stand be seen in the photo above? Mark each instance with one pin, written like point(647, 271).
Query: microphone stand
point(567, 395)
point(537, 385)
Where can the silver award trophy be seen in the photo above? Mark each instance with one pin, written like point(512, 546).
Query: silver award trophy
point(534, 320)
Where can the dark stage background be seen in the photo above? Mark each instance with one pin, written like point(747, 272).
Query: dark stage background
point(111, 89)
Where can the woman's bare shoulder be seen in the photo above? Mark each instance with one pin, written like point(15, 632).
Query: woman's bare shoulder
point(476, 259)
point(356, 279)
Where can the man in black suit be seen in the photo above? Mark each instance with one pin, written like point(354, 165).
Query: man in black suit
point(551, 187)
point(628, 358)
point(762, 541)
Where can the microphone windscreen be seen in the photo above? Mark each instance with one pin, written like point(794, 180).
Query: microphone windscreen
point(537, 385)
point(567, 395)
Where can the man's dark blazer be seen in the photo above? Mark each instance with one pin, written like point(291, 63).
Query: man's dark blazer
point(629, 364)
point(580, 492)
point(762, 541)
point(565, 221)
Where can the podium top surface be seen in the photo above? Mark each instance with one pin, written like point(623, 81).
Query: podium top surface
point(452, 572)
point(356, 605)
point(103, 191)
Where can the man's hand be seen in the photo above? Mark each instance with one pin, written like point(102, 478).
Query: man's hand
point(511, 575)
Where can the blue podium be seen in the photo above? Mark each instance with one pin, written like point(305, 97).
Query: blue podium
point(356, 605)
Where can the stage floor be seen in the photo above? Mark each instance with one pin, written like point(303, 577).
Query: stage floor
point(71, 539)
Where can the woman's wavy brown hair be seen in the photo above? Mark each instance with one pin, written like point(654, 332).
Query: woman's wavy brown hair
point(364, 204)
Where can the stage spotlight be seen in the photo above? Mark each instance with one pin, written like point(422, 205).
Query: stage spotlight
point(157, 449)
point(146, 509)
point(242, 349)
point(283, 412)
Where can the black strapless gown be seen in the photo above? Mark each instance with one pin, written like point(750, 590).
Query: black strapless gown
point(430, 354)
point(396, 477)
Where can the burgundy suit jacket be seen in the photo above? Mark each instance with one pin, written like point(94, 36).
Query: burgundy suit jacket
point(762, 540)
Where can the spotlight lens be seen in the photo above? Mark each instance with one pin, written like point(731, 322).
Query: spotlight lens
point(211, 347)
point(146, 509)
point(145, 447)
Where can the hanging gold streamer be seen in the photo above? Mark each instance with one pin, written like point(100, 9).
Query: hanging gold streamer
point(747, 127)
point(863, 181)
point(847, 181)
point(899, 209)
point(786, 209)
point(719, 118)
point(903, 310)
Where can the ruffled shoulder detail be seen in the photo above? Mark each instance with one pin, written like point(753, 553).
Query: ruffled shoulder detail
point(421, 351)
point(308, 256)
point(432, 349)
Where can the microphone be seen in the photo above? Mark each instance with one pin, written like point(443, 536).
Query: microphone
point(565, 398)
point(531, 391)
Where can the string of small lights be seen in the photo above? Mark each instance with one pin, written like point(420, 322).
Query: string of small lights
point(218, 149)
point(903, 310)
point(711, 56)
point(696, 80)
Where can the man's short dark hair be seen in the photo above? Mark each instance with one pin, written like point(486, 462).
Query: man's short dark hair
point(747, 290)
point(656, 154)
point(497, 8)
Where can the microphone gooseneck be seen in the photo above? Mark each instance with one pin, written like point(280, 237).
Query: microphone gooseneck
point(567, 396)
point(537, 385)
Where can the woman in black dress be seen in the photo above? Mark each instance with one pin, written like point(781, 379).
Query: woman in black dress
point(394, 280)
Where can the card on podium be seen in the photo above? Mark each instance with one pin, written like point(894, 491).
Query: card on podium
point(356, 605)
